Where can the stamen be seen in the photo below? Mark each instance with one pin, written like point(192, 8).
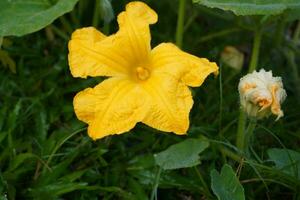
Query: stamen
point(142, 73)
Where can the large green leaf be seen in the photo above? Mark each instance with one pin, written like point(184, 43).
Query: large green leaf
point(252, 7)
point(286, 160)
point(181, 155)
point(20, 17)
point(226, 185)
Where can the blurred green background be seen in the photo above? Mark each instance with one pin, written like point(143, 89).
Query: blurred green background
point(45, 152)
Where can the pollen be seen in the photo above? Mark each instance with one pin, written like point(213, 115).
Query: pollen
point(142, 73)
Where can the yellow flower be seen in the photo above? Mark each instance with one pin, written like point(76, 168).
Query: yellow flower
point(261, 94)
point(144, 85)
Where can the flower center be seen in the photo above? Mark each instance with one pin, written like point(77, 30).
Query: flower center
point(142, 73)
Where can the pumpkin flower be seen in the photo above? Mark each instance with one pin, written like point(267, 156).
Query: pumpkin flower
point(261, 94)
point(143, 85)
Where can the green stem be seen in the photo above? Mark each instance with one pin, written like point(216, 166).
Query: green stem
point(81, 8)
point(297, 33)
point(250, 131)
point(217, 34)
point(230, 154)
point(221, 98)
point(1, 40)
point(106, 28)
point(66, 24)
point(290, 55)
point(96, 13)
point(58, 145)
point(74, 18)
point(206, 188)
point(255, 49)
point(49, 33)
point(156, 183)
point(279, 32)
point(60, 33)
point(180, 23)
point(190, 21)
point(240, 137)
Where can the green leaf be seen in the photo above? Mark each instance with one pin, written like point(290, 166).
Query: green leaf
point(286, 160)
point(72, 176)
point(19, 17)
point(14, 115)
point(181, 155)
point(20, 159)
point(41, 124)
point(226, 185)
point(252, 7)
point(52, 191)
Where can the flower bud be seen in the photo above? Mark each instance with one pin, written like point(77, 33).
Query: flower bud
point(261, 94)
point(232, 57)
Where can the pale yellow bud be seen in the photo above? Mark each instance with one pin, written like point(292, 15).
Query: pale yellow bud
point(232, 57)
point(261, 94)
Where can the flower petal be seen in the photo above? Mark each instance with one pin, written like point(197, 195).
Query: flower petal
point(167, 58)
point(112, 107)
point(171, 103)
point(275, 107)
point(134, 30)
point(93, 54)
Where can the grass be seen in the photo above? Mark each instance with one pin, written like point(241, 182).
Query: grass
point(45, 152)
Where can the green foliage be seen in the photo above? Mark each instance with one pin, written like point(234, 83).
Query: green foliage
point(7, 61)
point(286, 160)
point(106, 11)
point(226, 185)
point(253, 7)
point(45, 152)
point(21, 17)
point(181, 155)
